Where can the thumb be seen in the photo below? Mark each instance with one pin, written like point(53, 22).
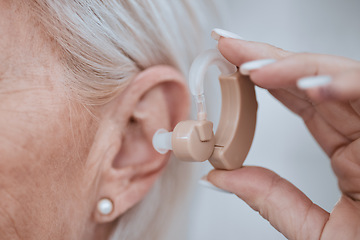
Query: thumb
point(276, 199)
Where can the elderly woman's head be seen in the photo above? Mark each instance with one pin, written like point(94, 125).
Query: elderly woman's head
point(84, 85)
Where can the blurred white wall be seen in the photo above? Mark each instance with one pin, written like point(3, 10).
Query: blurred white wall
point(282, 143)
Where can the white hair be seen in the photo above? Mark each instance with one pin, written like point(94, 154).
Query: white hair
point(103, 44)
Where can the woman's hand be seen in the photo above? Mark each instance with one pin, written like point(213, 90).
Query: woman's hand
point(331, 113)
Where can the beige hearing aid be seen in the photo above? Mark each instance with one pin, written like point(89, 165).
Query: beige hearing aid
point(194, 140)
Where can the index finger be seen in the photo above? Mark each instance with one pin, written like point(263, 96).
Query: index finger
point(240, 51)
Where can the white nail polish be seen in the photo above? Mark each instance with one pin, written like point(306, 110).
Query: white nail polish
point(246, 68)
point(313, 82)
point(216, 33)
point(209, 185)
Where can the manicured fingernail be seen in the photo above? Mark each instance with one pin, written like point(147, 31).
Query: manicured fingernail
point(205, 183)
point(313, 82)
point(246, 68)
point(216, 33)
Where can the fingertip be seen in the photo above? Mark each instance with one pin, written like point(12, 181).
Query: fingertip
point(216, 177)
point(211, 174)
point(238, 51)
point(231, 181)
point(232, 50)
point(209, 185)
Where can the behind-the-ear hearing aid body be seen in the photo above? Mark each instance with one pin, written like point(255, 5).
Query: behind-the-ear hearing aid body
point(194, 140)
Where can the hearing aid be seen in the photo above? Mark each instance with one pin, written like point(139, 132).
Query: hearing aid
point(194, 140)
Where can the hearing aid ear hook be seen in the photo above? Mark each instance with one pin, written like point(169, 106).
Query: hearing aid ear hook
point(194, 140)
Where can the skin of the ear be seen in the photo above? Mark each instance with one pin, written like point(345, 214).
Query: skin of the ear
point(122, 155)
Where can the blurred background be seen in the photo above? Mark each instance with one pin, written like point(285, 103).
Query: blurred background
point(281, 143)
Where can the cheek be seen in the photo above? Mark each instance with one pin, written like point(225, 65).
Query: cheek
point(42, 155)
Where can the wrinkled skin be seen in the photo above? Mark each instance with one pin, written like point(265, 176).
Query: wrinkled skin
point(41, 162)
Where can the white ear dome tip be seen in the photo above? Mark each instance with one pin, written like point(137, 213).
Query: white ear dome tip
point(162, 141)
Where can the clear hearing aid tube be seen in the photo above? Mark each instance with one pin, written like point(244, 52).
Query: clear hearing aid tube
point(162, 138)
point(197, 75)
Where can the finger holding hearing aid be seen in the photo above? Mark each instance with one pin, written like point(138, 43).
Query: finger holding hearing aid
point(324, 91)
point(314, 86)
point(333, 77)
point(271, 67)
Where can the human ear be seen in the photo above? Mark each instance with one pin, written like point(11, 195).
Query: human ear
point(122, 150)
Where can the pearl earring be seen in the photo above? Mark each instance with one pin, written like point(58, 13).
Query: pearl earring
point(105, 206)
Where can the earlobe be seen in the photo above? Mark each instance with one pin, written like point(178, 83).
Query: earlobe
point(125, 187)
point(156, 98)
